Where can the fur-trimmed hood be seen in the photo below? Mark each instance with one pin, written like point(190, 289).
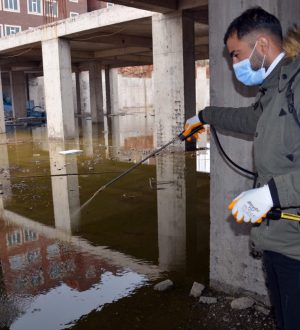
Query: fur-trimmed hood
point(291, 42)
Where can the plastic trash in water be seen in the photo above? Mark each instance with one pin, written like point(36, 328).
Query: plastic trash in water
point(70, 152)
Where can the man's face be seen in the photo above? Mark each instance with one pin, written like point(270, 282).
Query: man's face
point(241, 49)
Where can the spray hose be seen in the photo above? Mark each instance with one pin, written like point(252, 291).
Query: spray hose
point(273, 214)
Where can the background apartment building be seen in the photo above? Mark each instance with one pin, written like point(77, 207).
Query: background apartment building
point(20, 15)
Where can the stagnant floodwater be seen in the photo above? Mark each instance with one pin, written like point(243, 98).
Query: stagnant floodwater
point(65, 267)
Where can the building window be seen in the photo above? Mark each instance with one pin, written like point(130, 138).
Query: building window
point(73, 14)
point(73, 0)
point(17, 262)
point(11, 29)
point(29, 235)
point(11, 5)
point(51, 8)
point(1, 30)
point(34, 7)
point(14, 238)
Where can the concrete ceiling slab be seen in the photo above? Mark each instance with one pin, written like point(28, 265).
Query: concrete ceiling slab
point(116, 36)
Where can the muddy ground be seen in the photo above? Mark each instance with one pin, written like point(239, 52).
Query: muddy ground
point(175, 309)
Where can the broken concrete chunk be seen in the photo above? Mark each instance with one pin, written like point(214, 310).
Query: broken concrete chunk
point(262, 310)
point(208, 300)
point(164, 285)
point(242, 303)
point(197, 289)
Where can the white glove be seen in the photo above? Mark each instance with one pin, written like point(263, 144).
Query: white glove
point(252, 205)
point(191, 124)
point(194, 121)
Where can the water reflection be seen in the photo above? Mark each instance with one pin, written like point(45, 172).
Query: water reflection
point(5, 184)
point(38, 272)
point(171, 211)
point(55, 256)
point(65, 188)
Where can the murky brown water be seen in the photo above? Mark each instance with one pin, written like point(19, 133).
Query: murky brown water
point(66, 267)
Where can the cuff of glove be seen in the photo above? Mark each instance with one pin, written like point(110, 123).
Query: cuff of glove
point(201, 117)
point(274, 193)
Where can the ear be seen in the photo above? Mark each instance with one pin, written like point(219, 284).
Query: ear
point(263, 44)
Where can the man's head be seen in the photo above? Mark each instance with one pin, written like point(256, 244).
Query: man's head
point(254, 33)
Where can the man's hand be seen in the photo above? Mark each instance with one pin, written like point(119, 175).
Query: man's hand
point(252, 205)
point(192, 123)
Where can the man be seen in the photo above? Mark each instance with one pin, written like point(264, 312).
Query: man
point(254, 42)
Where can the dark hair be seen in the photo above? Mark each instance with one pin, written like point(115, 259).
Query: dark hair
point(254, 19)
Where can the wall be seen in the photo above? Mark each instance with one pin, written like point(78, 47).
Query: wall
point(26, 20)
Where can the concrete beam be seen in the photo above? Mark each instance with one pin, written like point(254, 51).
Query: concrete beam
point(128, 60)
point(153, 5)
point(120, 51)
point(84, 24)
point(191, 4)
point(107, 39)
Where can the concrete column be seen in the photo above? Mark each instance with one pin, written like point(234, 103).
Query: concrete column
point(114, 91)
point(2, 115)
point(106, 90)
point(231, 266)
point(97, 92)
point(77, 87)
point(171, 211)
point(91, 92)
point(58, 88)
point(174, 74)
point(65, 189)
point(18, 93)
point(85, 101)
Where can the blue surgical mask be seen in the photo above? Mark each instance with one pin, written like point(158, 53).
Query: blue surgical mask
point(246, 75)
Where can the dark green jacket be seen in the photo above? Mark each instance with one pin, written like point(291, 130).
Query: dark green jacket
point(276, 135)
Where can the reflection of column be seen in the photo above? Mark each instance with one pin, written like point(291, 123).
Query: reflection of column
point(2, 116)
point(5, 184)
point(171, 211)
point(40, 137)
point(87, 134)
point(65, 188)
point(107, 134)
point(115, 132)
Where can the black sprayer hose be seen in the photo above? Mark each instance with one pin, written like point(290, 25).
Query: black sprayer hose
point(218, 143)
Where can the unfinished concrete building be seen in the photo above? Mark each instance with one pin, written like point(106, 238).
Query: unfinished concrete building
point(171, 35)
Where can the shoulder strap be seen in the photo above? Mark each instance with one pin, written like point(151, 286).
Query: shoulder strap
point(290, 97)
